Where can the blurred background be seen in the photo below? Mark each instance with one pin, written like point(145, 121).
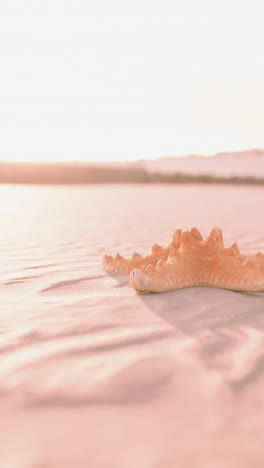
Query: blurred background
point(98, 82)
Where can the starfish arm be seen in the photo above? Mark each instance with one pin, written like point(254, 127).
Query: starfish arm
point(119, 264)
point(239, 273)
point(160, 279)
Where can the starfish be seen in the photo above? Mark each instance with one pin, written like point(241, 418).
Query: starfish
point(189, 261)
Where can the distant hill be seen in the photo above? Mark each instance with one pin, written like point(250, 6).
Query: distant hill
point(243, 167)
point(68, 173)
point(237, 164)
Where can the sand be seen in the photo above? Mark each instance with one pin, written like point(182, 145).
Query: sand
point(93, 374)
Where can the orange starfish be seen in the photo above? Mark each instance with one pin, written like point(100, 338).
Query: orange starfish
point(192, 261)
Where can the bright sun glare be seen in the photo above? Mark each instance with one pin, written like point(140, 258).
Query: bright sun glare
point(115, 81)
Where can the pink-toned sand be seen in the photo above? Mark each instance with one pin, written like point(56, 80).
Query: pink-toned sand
point(95, 375)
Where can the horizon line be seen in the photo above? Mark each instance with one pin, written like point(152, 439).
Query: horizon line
point(115, 161)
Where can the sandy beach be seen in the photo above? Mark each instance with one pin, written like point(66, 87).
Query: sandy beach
point(93, 374)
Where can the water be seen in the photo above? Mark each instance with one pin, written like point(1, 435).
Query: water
point(35, 214)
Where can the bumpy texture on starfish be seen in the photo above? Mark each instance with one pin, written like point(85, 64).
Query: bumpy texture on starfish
point(190, 261)
point(118, 264)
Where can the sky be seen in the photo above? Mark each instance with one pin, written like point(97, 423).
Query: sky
point(108, 80)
